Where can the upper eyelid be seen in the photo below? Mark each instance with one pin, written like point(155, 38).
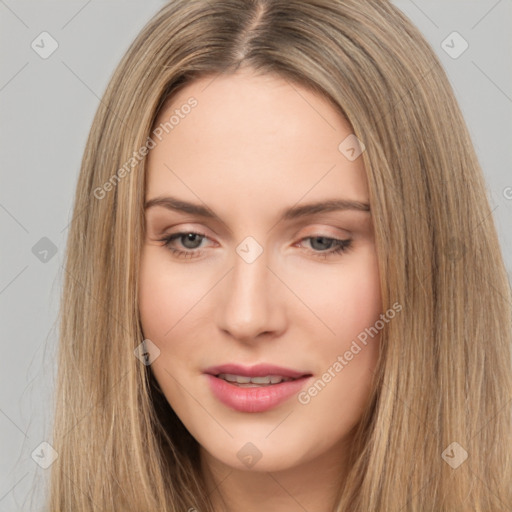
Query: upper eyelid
point(317, 231)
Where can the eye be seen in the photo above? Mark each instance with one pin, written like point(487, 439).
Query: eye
point(190, 240)
point(322, 246)
point(335, 245)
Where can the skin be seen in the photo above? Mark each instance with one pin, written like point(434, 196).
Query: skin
point(253, 146)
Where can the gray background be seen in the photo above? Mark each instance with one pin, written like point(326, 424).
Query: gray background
point(46, 109)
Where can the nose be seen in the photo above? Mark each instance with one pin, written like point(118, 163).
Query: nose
point(252, 301)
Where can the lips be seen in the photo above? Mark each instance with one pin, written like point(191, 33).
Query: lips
point(259, 370)
point(242, 380)
point(250, 397)
point(256, 399)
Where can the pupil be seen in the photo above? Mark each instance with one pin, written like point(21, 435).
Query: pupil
point(320, 238)
point(189, 237)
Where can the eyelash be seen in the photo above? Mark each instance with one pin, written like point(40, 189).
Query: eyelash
point(341, 246)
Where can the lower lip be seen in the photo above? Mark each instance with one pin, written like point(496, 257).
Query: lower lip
point(257, 399)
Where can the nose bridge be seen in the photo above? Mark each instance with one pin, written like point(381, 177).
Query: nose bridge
point(250, 305)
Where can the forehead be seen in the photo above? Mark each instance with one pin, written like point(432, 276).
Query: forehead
point(254, 142)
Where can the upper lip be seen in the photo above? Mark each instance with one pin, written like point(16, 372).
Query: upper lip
point(257, 370)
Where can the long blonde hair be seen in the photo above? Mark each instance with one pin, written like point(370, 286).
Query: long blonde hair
point(444, 373)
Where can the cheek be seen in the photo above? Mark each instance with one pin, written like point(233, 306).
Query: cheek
point(166, 295)
point(153, 302)
point(161, 299)
point(347, 297)
point(348, 357)
point(360, 300)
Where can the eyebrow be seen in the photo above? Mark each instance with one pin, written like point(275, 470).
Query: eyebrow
point(329, 205)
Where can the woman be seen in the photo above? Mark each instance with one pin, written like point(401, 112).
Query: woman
point(215, 354)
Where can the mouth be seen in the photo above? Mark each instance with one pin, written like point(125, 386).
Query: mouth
point(263, 373)
point(271, 385)
point(252, 382)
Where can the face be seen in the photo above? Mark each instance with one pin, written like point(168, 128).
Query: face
point(251, 277)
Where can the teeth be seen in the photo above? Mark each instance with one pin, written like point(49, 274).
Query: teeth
point(239, 379)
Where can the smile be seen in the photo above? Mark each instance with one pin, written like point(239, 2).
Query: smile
point(255, 397)
point(245, 381)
